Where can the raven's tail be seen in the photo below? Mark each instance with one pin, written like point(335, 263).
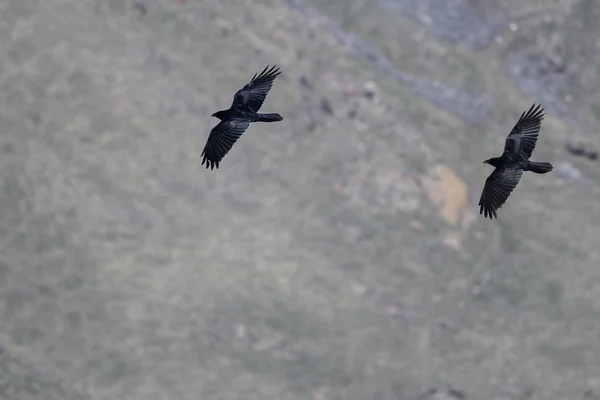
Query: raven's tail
point(269, 117)
point(539, 167)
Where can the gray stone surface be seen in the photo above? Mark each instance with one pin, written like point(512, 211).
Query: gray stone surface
point(337, 254)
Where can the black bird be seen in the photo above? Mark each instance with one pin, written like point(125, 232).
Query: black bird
point(243, 111)
point(514, 160)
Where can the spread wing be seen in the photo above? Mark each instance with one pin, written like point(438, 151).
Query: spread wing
point(523, 137)
point(498, 187)
point(251, 97)
point(221, 139)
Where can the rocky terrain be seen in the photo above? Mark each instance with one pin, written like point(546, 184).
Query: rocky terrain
point(337, 254)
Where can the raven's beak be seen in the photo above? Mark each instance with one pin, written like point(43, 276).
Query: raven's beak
point(213, 115)
point(486, 162)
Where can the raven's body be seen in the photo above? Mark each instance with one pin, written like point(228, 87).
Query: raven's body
point(230, 114)
point(236, 119)
point(514, 160)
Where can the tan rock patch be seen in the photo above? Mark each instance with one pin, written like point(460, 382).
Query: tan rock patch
point(447, 191)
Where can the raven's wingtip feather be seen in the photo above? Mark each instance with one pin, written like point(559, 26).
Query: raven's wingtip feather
point(535, 111)
point(487, 213)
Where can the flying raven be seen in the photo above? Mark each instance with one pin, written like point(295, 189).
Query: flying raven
point(234, 121)
point(514, 160)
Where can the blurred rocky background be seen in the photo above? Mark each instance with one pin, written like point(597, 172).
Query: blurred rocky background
point(337, 254)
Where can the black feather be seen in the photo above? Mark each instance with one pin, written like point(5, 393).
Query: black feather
point(221, 139)
point(235, 120)
point(518, 147)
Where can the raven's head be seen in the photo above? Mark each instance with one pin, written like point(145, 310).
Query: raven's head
point(494, 161)
point(220, 114)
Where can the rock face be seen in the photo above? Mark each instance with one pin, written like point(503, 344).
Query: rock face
point(337, 254)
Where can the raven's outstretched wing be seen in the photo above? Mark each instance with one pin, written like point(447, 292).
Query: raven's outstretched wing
point(221, 139)
point(497, 188)
point(251, 97)
point(523, 137)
